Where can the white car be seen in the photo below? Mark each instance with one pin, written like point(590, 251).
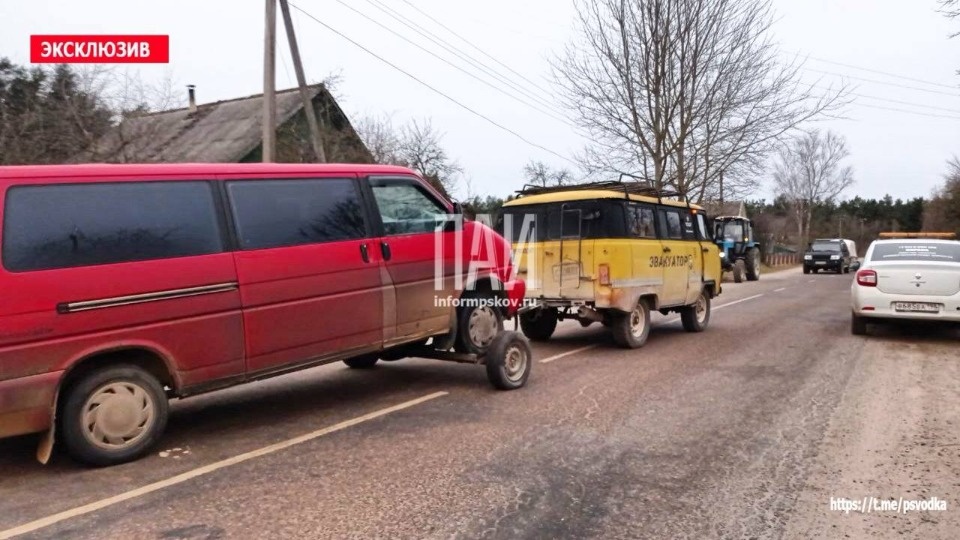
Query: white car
point(917, 277)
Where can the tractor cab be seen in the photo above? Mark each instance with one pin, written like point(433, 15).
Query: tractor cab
point(739, 249)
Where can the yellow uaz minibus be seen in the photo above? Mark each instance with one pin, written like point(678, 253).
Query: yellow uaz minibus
point(611, 252)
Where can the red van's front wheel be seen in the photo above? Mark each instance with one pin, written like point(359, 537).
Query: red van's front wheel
point(479, 320)
point(113, 415)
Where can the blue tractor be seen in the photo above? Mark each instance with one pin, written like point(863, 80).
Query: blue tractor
point(739, 249)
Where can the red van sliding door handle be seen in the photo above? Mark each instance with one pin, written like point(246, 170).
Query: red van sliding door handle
point(364, 253)
point(385, 249)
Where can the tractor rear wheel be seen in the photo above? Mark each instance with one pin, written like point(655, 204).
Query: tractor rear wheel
point(753, 264)
point(738, 271)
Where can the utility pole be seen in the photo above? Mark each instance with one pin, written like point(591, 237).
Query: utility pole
point(269, 84)
point(302, 83)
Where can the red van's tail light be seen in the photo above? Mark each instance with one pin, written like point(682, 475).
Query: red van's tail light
point(603, 274)
point(867, 278)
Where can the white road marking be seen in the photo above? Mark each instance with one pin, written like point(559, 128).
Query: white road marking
point(568, 353)
point(207, 469)
point(742, 300)
point(780, 289)
point(721, 306)
point(811, 281)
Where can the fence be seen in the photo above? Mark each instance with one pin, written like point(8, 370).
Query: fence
point(782, 259)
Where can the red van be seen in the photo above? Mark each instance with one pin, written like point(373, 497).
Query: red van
point(124, 285)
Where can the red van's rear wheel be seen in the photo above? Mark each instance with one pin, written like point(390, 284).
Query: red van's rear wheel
point(113, 415)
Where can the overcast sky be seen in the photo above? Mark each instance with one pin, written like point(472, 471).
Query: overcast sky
point(217, 45)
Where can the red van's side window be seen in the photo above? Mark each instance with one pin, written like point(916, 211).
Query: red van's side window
point(405, 208)
point(276, 213)
point(68, 225)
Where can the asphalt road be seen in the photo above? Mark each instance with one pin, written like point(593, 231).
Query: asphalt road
point(744, 431)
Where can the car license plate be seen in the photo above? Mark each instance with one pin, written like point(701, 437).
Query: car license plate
point(568, 271)
point(821, 262)
point(916, 307)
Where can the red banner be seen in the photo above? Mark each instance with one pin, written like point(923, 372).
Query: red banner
point(100, 49)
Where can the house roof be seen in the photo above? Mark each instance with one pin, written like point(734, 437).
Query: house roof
point(727, 208)
point(224, 131)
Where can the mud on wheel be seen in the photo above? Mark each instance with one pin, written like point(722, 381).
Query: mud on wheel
point(479, 320)
point(753, 265)
point(630, 330)
point(112, 415)
point(696, 316)
point(739, 269)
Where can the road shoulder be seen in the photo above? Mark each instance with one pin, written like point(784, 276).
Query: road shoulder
point(896, 434)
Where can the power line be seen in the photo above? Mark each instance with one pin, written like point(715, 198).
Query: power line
point(897, 101)
point(433, 89)
point(459, 53)
point(931, 115)
point(455, 66)
point(931, 107)
point(468, 42)
point(874, 81)
point(879, 72)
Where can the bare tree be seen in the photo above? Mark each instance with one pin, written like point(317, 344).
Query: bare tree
point(129, 97)
point(417, 145)
point(683, 91)
point(950, 9)
point(380, 137)
point(809, 172)
point(541, 174)
point(942, 211)
point(421, 148)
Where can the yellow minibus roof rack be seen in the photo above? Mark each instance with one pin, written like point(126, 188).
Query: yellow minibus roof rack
point(928, 235)
point(628, 188)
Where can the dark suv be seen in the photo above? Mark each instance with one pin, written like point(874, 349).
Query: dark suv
point(827, 254)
